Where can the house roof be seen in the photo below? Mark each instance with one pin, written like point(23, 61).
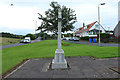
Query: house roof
point(85, 28)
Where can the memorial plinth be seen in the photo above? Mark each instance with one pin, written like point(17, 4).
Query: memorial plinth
point(59, 61)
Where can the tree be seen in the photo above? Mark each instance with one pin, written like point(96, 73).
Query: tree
point(50, 21)
point(68, 35)
point(32, 36)
point(9, 35)
point(43, 35)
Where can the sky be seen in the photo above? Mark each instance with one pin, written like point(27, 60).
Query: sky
point(22, 16)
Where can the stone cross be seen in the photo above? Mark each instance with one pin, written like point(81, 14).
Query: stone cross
point(59, 61)
point(59, 28)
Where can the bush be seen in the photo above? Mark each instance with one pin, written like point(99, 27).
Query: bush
point(105, 40)
point(9, 35)
point(85, 38)
point(54, 36)
point(118, 39)
point(104, 37)
point(32, 36)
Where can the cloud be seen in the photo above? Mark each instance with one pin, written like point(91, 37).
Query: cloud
point(20, 17)
point(88, 13)
point(15, 17)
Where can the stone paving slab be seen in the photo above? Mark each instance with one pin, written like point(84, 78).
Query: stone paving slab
point(81, 67)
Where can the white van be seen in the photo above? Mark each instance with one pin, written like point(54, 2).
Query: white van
point(26, 40)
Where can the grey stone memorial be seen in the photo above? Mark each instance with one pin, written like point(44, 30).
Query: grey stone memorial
point(59, 61)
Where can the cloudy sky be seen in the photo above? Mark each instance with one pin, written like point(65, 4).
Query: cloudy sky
point(18, 19)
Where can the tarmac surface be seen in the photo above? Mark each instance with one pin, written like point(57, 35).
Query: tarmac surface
point(86, 42)
point(16, 44)
point(81, 67)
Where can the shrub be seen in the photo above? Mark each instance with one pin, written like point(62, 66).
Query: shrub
point(9, 35)
point(104, 37)
point(84, 38)
point(32, 36)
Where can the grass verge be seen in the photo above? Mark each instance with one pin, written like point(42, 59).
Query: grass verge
point(14, 55)
point(7, 41)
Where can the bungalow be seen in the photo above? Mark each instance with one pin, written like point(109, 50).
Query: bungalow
point(90, 30)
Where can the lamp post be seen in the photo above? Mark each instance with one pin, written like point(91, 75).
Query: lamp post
point(35, 27)
point(11, 4)
point(99, 20)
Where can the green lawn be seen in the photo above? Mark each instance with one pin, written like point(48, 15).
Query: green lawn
point(7, 41)
point(14, 55)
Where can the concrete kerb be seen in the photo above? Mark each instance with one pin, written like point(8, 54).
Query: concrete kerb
point(14, 69)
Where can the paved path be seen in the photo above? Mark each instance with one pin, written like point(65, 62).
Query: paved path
point(85, 42)
point(16, 44)
point(81, 67)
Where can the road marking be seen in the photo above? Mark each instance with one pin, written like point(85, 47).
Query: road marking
point(16, 69)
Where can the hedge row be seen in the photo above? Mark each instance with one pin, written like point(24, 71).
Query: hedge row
point(104, 37)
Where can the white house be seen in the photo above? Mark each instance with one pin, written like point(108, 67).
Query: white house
point(90, 30)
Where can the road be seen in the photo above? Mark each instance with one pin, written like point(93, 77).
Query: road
point(86, 42)
point(16, 44)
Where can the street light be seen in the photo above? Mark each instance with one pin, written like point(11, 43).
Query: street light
point(35, 27)
point(11, 4)
point(99, 20)
point(102, 4)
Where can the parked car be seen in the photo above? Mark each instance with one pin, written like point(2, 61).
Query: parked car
point(75, 38)
point(71, 39)
point(64, 38)
point(26, 40)
point(67, 38)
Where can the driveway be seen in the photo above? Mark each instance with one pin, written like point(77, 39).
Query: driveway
point(16, 44)
point(86, 42)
